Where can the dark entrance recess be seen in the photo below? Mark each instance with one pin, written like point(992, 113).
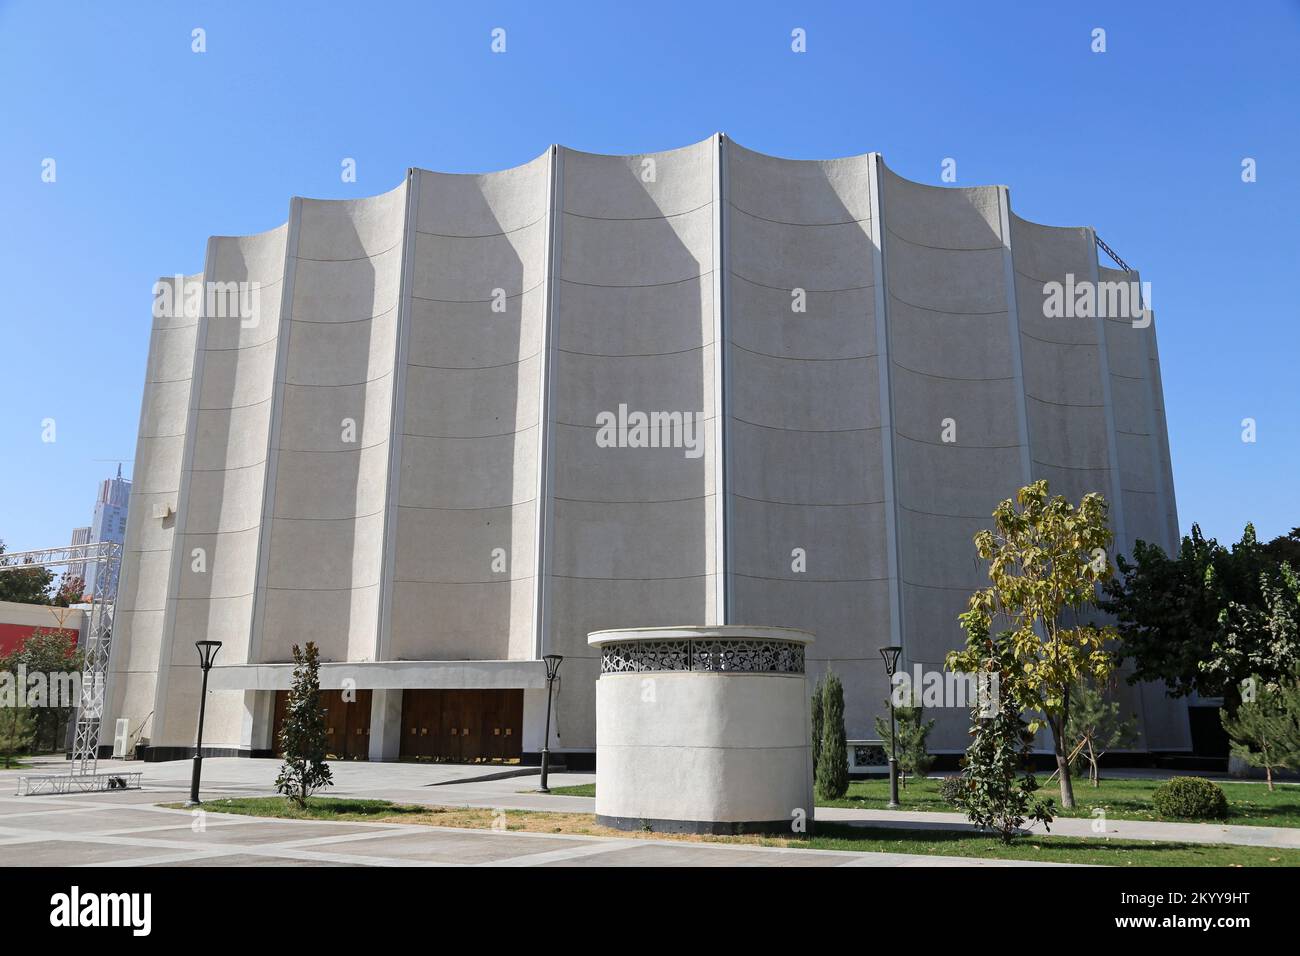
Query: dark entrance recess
point(462, 726)
point(346, 721)
point(1209, 739)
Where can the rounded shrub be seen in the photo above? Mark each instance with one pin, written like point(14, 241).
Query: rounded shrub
point(1190, 798)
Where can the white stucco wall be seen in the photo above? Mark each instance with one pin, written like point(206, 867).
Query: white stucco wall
point(703, 747)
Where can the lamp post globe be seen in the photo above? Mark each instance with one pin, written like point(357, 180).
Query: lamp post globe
point(553, 662)
point(890, 655)
point(207, 654)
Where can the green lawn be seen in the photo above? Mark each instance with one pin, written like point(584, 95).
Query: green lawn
point(1248, 803)
point(578, 790)
point(1095, 852)
point(318, 808)
point(830, 836)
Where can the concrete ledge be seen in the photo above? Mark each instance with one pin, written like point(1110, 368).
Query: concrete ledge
point(714, 632)
point(387, 675)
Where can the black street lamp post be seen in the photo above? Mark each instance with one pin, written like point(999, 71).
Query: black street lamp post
point(552, 669)
point(890, 654)
point(207, 653)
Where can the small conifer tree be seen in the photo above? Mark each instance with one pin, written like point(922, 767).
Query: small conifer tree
point(304, 736)
point(832, 778)
point(913, 731)
point(816, 725)
point(1265, 731)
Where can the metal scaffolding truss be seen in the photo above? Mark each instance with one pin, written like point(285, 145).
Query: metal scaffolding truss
point(107, 558)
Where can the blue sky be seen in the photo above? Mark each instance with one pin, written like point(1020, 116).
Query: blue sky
point(158, 147)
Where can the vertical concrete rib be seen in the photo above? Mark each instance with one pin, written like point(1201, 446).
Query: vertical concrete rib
point(384, 628)
point(1155, 431)
point(273, 430)
point(722, 511)
point(167, 649)
point(1112, 437)
point(886, 405)
point(545, 431)
point(1013, 324)
point(1166, 456)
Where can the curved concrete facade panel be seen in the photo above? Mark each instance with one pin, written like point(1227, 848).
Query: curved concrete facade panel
point(643, 186)
point(625, 321)
point(140, 648)
point(405, 452)
point(778, 331)
point(465, 335)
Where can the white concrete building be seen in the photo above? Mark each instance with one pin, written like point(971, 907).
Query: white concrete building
point(403, 452)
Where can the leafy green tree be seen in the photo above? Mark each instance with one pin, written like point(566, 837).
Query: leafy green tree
point(832, 775)
point(15, 718)
point(818, 725)
point(1046, 557)
point(1096, 725)
point(304, 736)
point(913, 731)
point(55, 656)
point(1265, 730)
point(1285, 547)
point(28, 586)
point(1175, 614)
point(1261, 640)
point(997, 791)
point(72, 588)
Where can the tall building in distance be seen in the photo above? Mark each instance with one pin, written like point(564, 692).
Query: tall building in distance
point(79, 536)
point(477, 417)
point(109, 522)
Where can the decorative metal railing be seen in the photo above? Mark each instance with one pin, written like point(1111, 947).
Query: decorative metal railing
point(734, 656)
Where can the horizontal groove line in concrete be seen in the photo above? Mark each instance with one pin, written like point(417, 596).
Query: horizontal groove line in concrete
point(924, 245)
point(964, 445)
point(659, 218)
point(780, 288)
point(1050, 464)
point(809, 504)
point(331, 451)
point(1048, 401)
point(804, 579)
point(474, 368)
point(517, 431)
point(360, 258)
point(621, 355)
point(802, 225)
point(484, 235)
point(800, 358)
point(644, 285)
point(364, 318)
point(512, 295)
point(926, 308)
point(950, 378)
point(807, 431)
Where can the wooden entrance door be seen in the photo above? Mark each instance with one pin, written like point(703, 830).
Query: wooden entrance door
point(421, 732)
point(462, 726)
point(347, 723)
point(502, 723)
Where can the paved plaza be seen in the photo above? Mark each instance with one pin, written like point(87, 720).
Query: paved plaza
point(129, 828)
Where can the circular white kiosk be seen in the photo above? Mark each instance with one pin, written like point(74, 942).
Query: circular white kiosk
point(703, 730)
